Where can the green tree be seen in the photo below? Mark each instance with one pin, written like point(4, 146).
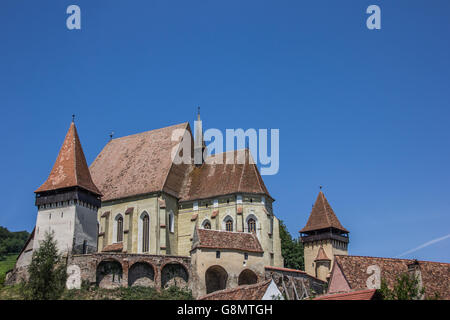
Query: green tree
point(406, 287)
point(47, 271)
point(291, 249)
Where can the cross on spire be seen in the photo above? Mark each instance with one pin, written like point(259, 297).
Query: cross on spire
point(73, 118)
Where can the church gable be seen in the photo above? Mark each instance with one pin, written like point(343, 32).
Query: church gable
point(217, 177)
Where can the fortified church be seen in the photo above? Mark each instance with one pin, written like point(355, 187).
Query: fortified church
point(135, 217)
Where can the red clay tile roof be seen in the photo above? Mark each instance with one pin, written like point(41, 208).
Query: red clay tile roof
point(142, 163)
point(435, 275)
point(214, 239)
point(70, 168)
point(368, 294)
point(247, 292)
point(115, 247)
point(216, 178)
point(135, 164)
point(322, 216)
point(284, 269)
point(321, 255)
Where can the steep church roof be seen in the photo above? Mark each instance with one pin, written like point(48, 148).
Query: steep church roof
point(70, 168)
point(136, 164)
point(322, 216)
point(142, 163)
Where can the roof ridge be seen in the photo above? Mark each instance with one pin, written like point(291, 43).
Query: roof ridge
point(389, 258)
point(143, 132)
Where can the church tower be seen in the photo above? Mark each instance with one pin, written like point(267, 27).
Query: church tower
point(322, 238)
point(68, 201)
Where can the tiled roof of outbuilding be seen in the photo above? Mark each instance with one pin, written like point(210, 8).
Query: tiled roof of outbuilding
point(322, 216)
point(70, 168)
point(353, 295)
point(115, 247)
point(247, 292)
point(214, 239)
point(435, 275)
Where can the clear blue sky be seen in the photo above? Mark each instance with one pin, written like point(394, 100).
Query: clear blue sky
point(363, 113)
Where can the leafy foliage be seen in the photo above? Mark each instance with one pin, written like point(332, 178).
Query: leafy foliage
point(291, 249)
point(11, 242)
point(47, 272)
point(405, 288)
point(6, 265)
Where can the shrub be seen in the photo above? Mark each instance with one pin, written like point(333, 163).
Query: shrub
point(47, 272)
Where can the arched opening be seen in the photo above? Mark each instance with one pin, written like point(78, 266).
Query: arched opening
point(227, 223)
point(251, 225)
point(247, 277)
point(215, 279)
point(206, 224)
point(174, 274)
point(171, 222)
point(141, 274)
point(118, 229)
point(109, 274)
point(144, 233)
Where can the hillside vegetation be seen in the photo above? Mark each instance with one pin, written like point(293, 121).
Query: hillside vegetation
point(11, 242)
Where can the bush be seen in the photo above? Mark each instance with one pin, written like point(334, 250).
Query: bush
point(405, 288)
point(47, 272)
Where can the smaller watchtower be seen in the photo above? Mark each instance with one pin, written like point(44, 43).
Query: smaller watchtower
point(68, 201)
point(323, 237)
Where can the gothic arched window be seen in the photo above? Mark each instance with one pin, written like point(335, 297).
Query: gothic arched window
point(120, 229)
point(207, 225)
point(229, 225)
point(145, 233)
point(251, 224)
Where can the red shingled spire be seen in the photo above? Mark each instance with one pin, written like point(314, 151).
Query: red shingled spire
point(70, 168)
point(322, 217)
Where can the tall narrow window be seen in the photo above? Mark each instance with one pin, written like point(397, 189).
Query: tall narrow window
point(120, 229)
point(145, 233)
point(171, 222)
point(229, 225)
point(251, 225)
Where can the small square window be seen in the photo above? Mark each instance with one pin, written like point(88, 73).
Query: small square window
point(217, 254)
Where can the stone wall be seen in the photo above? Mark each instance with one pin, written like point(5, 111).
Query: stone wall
point(110, 270)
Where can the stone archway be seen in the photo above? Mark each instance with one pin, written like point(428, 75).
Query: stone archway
point(141, 274)
point(109, 274)
point(215, 279)
point(174, 274)
point(247, 276)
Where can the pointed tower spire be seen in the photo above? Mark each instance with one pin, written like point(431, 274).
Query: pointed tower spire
point(322, 217)
point(70, 168)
